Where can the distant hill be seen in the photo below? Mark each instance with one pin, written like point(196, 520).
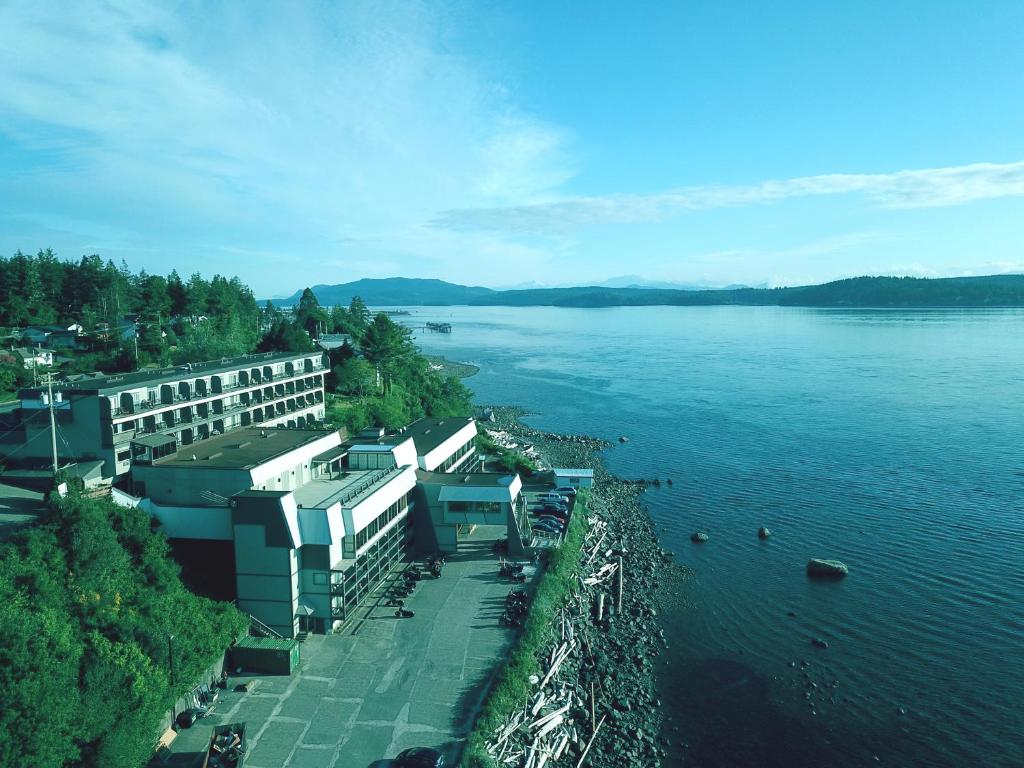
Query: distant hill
point(909, 292)
point(392, 291)
point(992, 291)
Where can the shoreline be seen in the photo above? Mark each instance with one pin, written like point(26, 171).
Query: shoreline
point(623, 662)
point(452, 367)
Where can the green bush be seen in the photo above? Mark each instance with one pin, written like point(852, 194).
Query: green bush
point(513, 688)
point(88, 598)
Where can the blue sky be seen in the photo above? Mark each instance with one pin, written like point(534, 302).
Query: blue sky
point(510, 143)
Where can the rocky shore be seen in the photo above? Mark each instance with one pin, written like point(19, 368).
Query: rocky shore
point(622, 650)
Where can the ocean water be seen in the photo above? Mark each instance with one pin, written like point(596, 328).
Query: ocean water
point(891, 440)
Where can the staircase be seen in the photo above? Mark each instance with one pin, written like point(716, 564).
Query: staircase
point(258, 629)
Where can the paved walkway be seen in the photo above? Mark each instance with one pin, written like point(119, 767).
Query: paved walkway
point(382, 685)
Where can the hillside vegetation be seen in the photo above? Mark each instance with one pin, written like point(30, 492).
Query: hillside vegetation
point(88, 600)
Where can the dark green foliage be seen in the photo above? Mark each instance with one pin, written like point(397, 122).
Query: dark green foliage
point(285, 336)
point(43, 289)
point(87, 600)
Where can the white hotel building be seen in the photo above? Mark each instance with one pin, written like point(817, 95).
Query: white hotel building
point(315, 522)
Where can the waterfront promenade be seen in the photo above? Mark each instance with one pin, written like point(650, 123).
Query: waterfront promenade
point(383, 684)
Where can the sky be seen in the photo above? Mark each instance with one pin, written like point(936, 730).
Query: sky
point(507, 144)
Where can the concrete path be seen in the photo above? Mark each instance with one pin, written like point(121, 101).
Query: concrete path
point(384, 684)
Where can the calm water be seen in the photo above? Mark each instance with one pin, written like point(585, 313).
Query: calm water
point(892, 440)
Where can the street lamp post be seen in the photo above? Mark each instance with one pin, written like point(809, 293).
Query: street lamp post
point(170, 665)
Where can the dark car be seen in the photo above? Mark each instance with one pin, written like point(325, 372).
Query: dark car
point(547, 525)
point(420, 757)
point(566, 490)
point(555, 505)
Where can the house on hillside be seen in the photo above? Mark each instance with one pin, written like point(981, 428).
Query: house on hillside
point(31, 358)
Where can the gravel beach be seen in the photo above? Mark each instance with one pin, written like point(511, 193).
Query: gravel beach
point(622, 661)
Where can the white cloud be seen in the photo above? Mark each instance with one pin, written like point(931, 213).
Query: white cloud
point(927, 188)
point(309, 128)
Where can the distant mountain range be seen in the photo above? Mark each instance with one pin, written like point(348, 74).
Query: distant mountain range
point(392, 291)
point(990, 291)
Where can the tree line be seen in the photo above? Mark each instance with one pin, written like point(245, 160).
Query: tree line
point(378, 372)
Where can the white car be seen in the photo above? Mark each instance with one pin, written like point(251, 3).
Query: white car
point(557, 497)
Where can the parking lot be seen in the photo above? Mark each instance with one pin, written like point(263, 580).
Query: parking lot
point(384, 683)
point(534, 495)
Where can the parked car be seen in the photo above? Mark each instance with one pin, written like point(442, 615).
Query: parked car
point(553, 503)
point(553, 509)
point(420, 757)
point(547, 525)
point(566, 490)
point(558, 514)
point(552, 496)
point(552, 519)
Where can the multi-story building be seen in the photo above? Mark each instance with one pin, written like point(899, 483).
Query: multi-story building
point(99, 417)
point(442, 445)
point(310, 522)
point(312, 528)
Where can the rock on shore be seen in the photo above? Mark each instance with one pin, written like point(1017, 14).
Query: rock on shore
point(826, 569)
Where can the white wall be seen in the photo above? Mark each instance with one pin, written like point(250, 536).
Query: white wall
point(211, 523)
point(436, 457)
point(364, 513)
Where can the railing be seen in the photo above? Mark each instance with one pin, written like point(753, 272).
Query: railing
point(255, 625)
point(117, 411)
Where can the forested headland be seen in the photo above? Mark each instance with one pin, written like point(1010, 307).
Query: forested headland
point(377, 377)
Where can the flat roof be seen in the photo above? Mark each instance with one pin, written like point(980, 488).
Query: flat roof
point(472, 479)
point(332, 453)
point(564, 472)
point(242, 448)
point(428, 433)
point(120, 381)
point(350, 489)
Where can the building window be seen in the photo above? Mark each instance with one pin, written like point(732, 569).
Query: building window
point(320, 579)
point(124, 455)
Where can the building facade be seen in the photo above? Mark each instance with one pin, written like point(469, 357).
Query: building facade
point(98, 417)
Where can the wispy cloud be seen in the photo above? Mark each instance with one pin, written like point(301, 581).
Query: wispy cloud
point(323, 129)
point(927, 188)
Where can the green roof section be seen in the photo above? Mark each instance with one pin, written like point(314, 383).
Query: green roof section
point(267, 643)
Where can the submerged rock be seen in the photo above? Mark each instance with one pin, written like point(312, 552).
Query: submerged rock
point(623, 439)
point(763, 533)
point(699, 537)
point(826, 569)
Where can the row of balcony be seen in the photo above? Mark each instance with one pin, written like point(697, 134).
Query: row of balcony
point(253, 413)
point(300, 382)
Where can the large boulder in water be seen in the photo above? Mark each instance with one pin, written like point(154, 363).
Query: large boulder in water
point(826, 569)
point(763, 533)
point(699, 537)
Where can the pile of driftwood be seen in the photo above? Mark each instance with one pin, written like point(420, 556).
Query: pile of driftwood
point(559, 723)
point(506, 440)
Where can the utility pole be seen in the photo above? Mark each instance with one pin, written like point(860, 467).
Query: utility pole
point(53, 424)
point(170, 665)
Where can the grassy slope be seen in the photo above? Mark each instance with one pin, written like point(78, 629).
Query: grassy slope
point(513, 686)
